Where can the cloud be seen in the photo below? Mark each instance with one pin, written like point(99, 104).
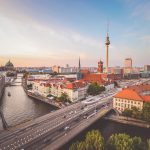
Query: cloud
point(139, 8)
point(23, 36)
point(142, 10)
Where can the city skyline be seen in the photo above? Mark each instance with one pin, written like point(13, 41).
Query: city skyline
point(35, 33)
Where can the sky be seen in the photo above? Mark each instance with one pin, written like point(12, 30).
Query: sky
point(58, 32)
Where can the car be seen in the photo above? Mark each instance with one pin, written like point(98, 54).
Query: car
point(66, 128)
point(84, 116)
point(71, 112)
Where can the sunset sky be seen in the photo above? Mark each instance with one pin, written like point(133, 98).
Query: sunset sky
point(49, 32)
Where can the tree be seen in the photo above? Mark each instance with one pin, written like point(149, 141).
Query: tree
point(64, 97)
point(148, 144)
point(116, 84)
point(94, 140)
point(133, 112)
point(95, 89)
point(136, 113)
point(120, 142)
point(146, 112)
point(138, 144)
point(74, 146)
point(81, 146)
point(54, 73)
point(127, 113)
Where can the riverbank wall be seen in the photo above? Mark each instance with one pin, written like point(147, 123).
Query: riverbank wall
point(2, 85)
point(128, 121)
point(39, 97)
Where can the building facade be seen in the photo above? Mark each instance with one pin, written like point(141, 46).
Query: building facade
point(147, 68)
point(75, 90)
point(128, 63)
point(132, 97)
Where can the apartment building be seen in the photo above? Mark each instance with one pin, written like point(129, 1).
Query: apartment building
point(132, 97)
point(75, 90)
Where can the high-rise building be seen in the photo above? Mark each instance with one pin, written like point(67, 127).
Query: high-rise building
point(147, 68)
point(128, 63)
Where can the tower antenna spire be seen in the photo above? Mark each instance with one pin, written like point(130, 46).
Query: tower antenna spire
point(107, 26)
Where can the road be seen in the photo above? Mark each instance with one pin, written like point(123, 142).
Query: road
point(27, 136)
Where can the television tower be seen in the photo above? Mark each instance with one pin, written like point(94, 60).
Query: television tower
point(107, 43)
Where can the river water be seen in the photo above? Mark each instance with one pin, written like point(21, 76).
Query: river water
point(19, 108)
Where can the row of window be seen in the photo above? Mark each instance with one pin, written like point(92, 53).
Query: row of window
point(127, 101)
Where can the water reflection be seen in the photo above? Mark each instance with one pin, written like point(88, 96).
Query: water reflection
point(19, 107)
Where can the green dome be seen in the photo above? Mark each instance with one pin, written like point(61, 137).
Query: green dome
point(9, 64)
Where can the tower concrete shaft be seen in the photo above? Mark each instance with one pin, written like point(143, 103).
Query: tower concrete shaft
point(107, 58)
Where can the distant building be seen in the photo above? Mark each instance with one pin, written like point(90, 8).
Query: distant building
point(134, 96)
point(9, 66)
point(128, 63)
point(56, 69)
point(65, 70)
point(116, 70)
point(146, 68)
point(100, 67)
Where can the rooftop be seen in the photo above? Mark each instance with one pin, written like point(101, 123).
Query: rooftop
point(134, 93)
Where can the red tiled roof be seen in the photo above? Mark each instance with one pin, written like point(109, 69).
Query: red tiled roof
point(129, 94)
point(75, 85)
point(146, 98)
point(141, 88)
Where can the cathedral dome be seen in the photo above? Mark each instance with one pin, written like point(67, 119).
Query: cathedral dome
point(9, 64)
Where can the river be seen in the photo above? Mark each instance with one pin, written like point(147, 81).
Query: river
point(19, 108)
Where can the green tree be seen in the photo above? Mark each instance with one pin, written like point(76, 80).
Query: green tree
point(78, 146)
point(95, 89)
point(138, 144)
point(116, 84)
point(133, 112)
point(94, 140)
point(136, 113)
point(81, 146)
point(64, 97)
point(127, 112)
point(146, 112)
point(74, 146)
point(120, 142)
point(148, 144)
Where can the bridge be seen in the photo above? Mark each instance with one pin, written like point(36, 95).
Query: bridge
point(46, 130)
